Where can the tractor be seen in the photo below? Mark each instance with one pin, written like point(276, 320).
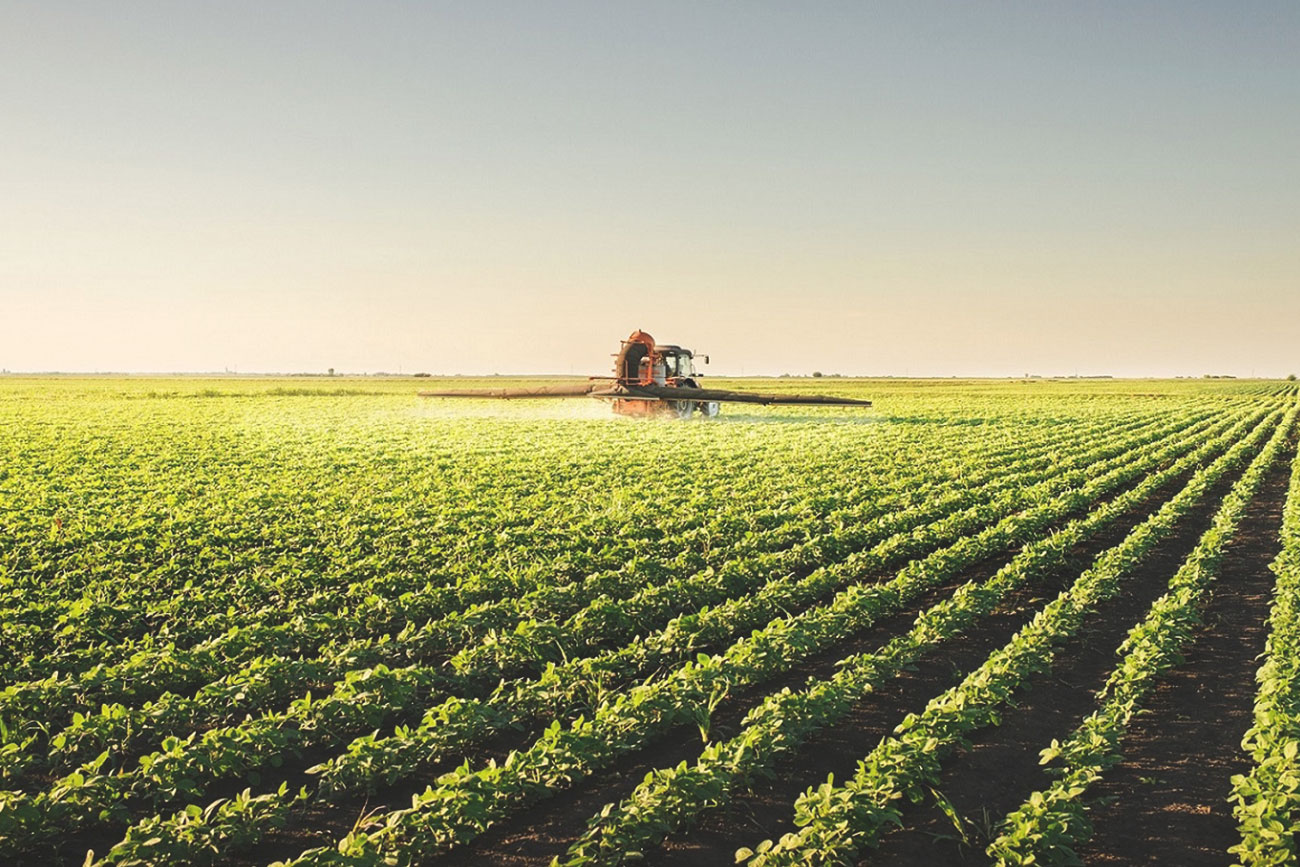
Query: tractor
point(653, 379)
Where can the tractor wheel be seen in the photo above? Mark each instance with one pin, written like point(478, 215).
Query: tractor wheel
point(687, 408)
point(682, 408)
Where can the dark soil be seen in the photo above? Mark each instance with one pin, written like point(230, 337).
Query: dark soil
point(766, 812)
point(537, 836)
point(1170, 807)
point(1170, 794)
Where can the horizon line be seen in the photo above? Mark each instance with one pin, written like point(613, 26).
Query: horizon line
point(426, 375)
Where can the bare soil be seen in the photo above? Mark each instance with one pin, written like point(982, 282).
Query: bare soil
point(1167, 802)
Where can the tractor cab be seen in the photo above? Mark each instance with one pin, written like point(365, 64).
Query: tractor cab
point(678, 367)
point(678, 363)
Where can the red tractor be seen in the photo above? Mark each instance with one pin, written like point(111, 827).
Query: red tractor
point(642, 362)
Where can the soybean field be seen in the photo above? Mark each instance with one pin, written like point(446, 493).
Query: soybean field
point(322, 621)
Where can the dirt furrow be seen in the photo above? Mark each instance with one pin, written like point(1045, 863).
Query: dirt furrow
point(1167, 802)
point(1001, 766)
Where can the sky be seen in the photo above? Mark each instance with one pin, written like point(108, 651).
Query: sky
point(912, 188)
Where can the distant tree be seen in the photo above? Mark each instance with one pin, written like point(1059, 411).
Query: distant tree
point(1290, 378)
point(331, 371)
point(817, 373)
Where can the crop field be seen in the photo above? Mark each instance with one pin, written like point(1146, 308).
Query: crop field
point(315, 621)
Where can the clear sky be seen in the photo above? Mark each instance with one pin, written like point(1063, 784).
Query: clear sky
point(867, 188)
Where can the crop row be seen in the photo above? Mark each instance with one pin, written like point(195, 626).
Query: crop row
point(68, 633)
point(605, 620)
point(149, 670)
point(92, 794)
point(337, 540)
point(671, 798)
point(579, 684)
point(1047, 826)
point(1267, 798)
point(89, 794)
point(366, 606)
point(837, 821)
point(464, 802)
